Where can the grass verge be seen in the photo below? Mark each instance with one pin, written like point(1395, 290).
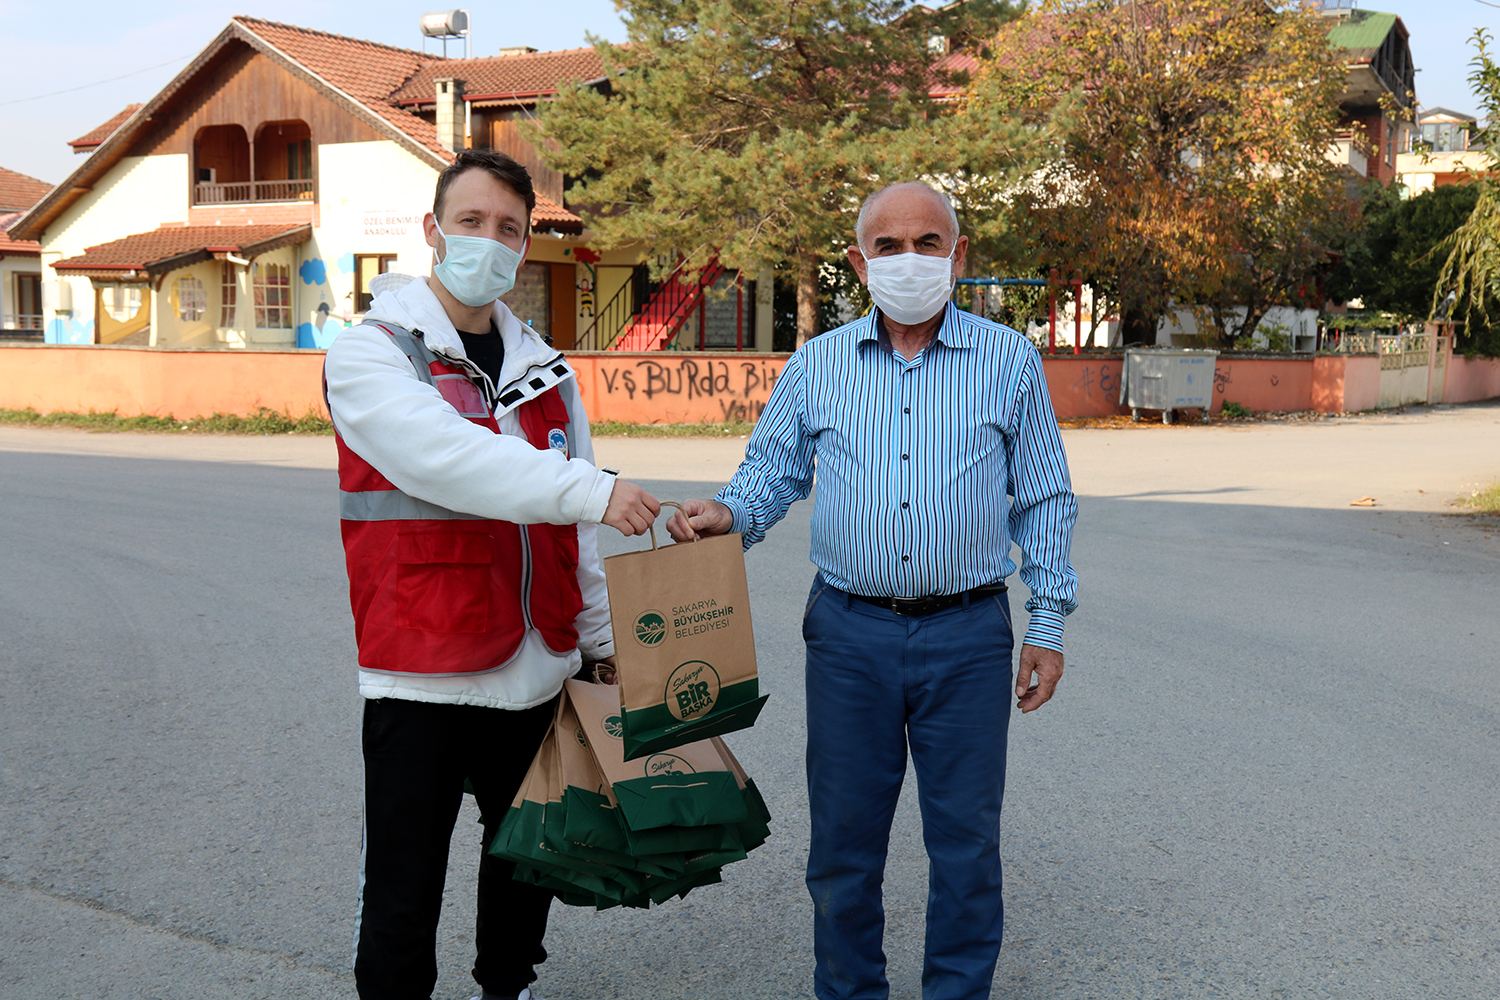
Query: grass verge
point(263, 422)
point(611, 428)
point(1485, 501)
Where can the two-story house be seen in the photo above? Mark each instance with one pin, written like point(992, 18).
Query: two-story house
point(251, 201)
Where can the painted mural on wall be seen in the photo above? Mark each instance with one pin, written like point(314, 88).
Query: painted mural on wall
point(326, 327)
point(68, 331)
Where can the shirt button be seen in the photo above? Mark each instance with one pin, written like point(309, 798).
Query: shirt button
point(906, 410)
point(904, 505)
point(906, 558)
point(905, 457)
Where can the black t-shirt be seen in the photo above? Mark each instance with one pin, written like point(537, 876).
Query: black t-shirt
point(486, 350)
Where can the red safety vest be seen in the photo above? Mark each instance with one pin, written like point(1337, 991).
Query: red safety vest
point(436, 591)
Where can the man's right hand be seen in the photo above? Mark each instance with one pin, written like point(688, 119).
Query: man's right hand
point(698, 518)
point(631, 510)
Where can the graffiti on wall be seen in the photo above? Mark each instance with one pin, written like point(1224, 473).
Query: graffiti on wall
point(729, 390)
point(1104, 378)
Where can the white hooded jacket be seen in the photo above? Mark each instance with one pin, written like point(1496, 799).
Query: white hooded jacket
point(405, 429)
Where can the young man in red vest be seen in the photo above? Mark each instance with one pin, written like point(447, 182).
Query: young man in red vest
point(469, 502)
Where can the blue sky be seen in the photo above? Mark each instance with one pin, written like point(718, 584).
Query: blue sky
point(59, 46)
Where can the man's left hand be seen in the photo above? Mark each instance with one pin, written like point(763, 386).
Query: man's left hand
point(1041, 668)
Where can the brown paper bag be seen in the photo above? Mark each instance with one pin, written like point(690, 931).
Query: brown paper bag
point(684, 646)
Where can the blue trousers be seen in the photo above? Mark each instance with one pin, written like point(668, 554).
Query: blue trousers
point(878, 683)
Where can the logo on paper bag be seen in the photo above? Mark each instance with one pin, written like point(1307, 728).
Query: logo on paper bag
point(665, 763)
point(582, 739)
point(650, 628)
point(692, 690)
point(614, 727)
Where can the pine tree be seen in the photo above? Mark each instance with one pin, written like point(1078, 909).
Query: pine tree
point(753, 129)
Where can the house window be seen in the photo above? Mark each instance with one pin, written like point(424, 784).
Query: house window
point(273, 296)
point(28, 314)
point(190, 298)
point(229, 292)
point(366, 267)
point(122, 302)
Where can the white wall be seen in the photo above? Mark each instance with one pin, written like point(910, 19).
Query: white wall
point(1300, 326)
point(373, 198)
point(136, 195)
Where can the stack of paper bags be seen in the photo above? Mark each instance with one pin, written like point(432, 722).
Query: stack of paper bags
point(600, 831)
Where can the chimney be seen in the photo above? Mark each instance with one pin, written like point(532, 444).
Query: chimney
point(451, 119)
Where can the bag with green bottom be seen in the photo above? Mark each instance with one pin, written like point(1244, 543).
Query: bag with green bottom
point(684, 646)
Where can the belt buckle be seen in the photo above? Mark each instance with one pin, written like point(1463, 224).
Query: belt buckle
point(909, 606)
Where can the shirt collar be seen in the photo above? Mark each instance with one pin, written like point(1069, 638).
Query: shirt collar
point(950, 334)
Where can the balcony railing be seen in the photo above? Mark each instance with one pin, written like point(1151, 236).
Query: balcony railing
point(22, 321)
point(241, 192)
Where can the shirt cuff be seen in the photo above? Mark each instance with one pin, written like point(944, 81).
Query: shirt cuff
point(737, 512)
point(598, 499)
point(1045, 629)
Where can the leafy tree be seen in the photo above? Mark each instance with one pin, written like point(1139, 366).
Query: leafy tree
point(1391, 266)
point(753, 129)
point(1192, 168)
point(1471, 271)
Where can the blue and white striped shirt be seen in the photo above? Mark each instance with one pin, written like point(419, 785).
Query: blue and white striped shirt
point(915, 460)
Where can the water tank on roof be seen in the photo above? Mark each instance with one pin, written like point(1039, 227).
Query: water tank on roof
point(445, 23)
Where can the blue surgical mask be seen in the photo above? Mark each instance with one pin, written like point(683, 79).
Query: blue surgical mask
point(475, 270)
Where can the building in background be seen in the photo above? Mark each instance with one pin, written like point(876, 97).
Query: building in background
point(1449, 149)
point(1380, 91)
point(251, 201)
point(20, 260)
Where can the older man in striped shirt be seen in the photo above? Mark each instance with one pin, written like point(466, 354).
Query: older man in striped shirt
point(935, 447)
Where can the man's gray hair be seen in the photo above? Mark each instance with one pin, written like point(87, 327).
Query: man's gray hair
point(868, 206)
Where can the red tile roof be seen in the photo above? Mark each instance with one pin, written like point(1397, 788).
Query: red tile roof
point(93, 139)
point(532, 74)
point(369, 72)
point(375, 75)
point(10, 247)
point(19, 192)
point(957, 61)
point(142, 250)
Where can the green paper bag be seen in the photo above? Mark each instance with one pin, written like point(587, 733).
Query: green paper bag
point(688, 786)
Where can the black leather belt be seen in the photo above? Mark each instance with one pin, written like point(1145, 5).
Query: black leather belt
point(916, 607)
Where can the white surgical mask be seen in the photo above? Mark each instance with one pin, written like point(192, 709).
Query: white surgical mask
point(476, 270)
point(910, 288)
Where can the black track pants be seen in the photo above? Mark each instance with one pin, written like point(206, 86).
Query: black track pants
point(417, 756)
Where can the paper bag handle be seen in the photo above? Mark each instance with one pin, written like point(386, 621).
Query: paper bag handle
point(664, 503)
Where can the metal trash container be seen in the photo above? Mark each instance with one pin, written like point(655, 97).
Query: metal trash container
point(1167, 379)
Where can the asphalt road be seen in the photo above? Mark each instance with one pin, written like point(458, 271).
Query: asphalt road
point(1270, 771)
